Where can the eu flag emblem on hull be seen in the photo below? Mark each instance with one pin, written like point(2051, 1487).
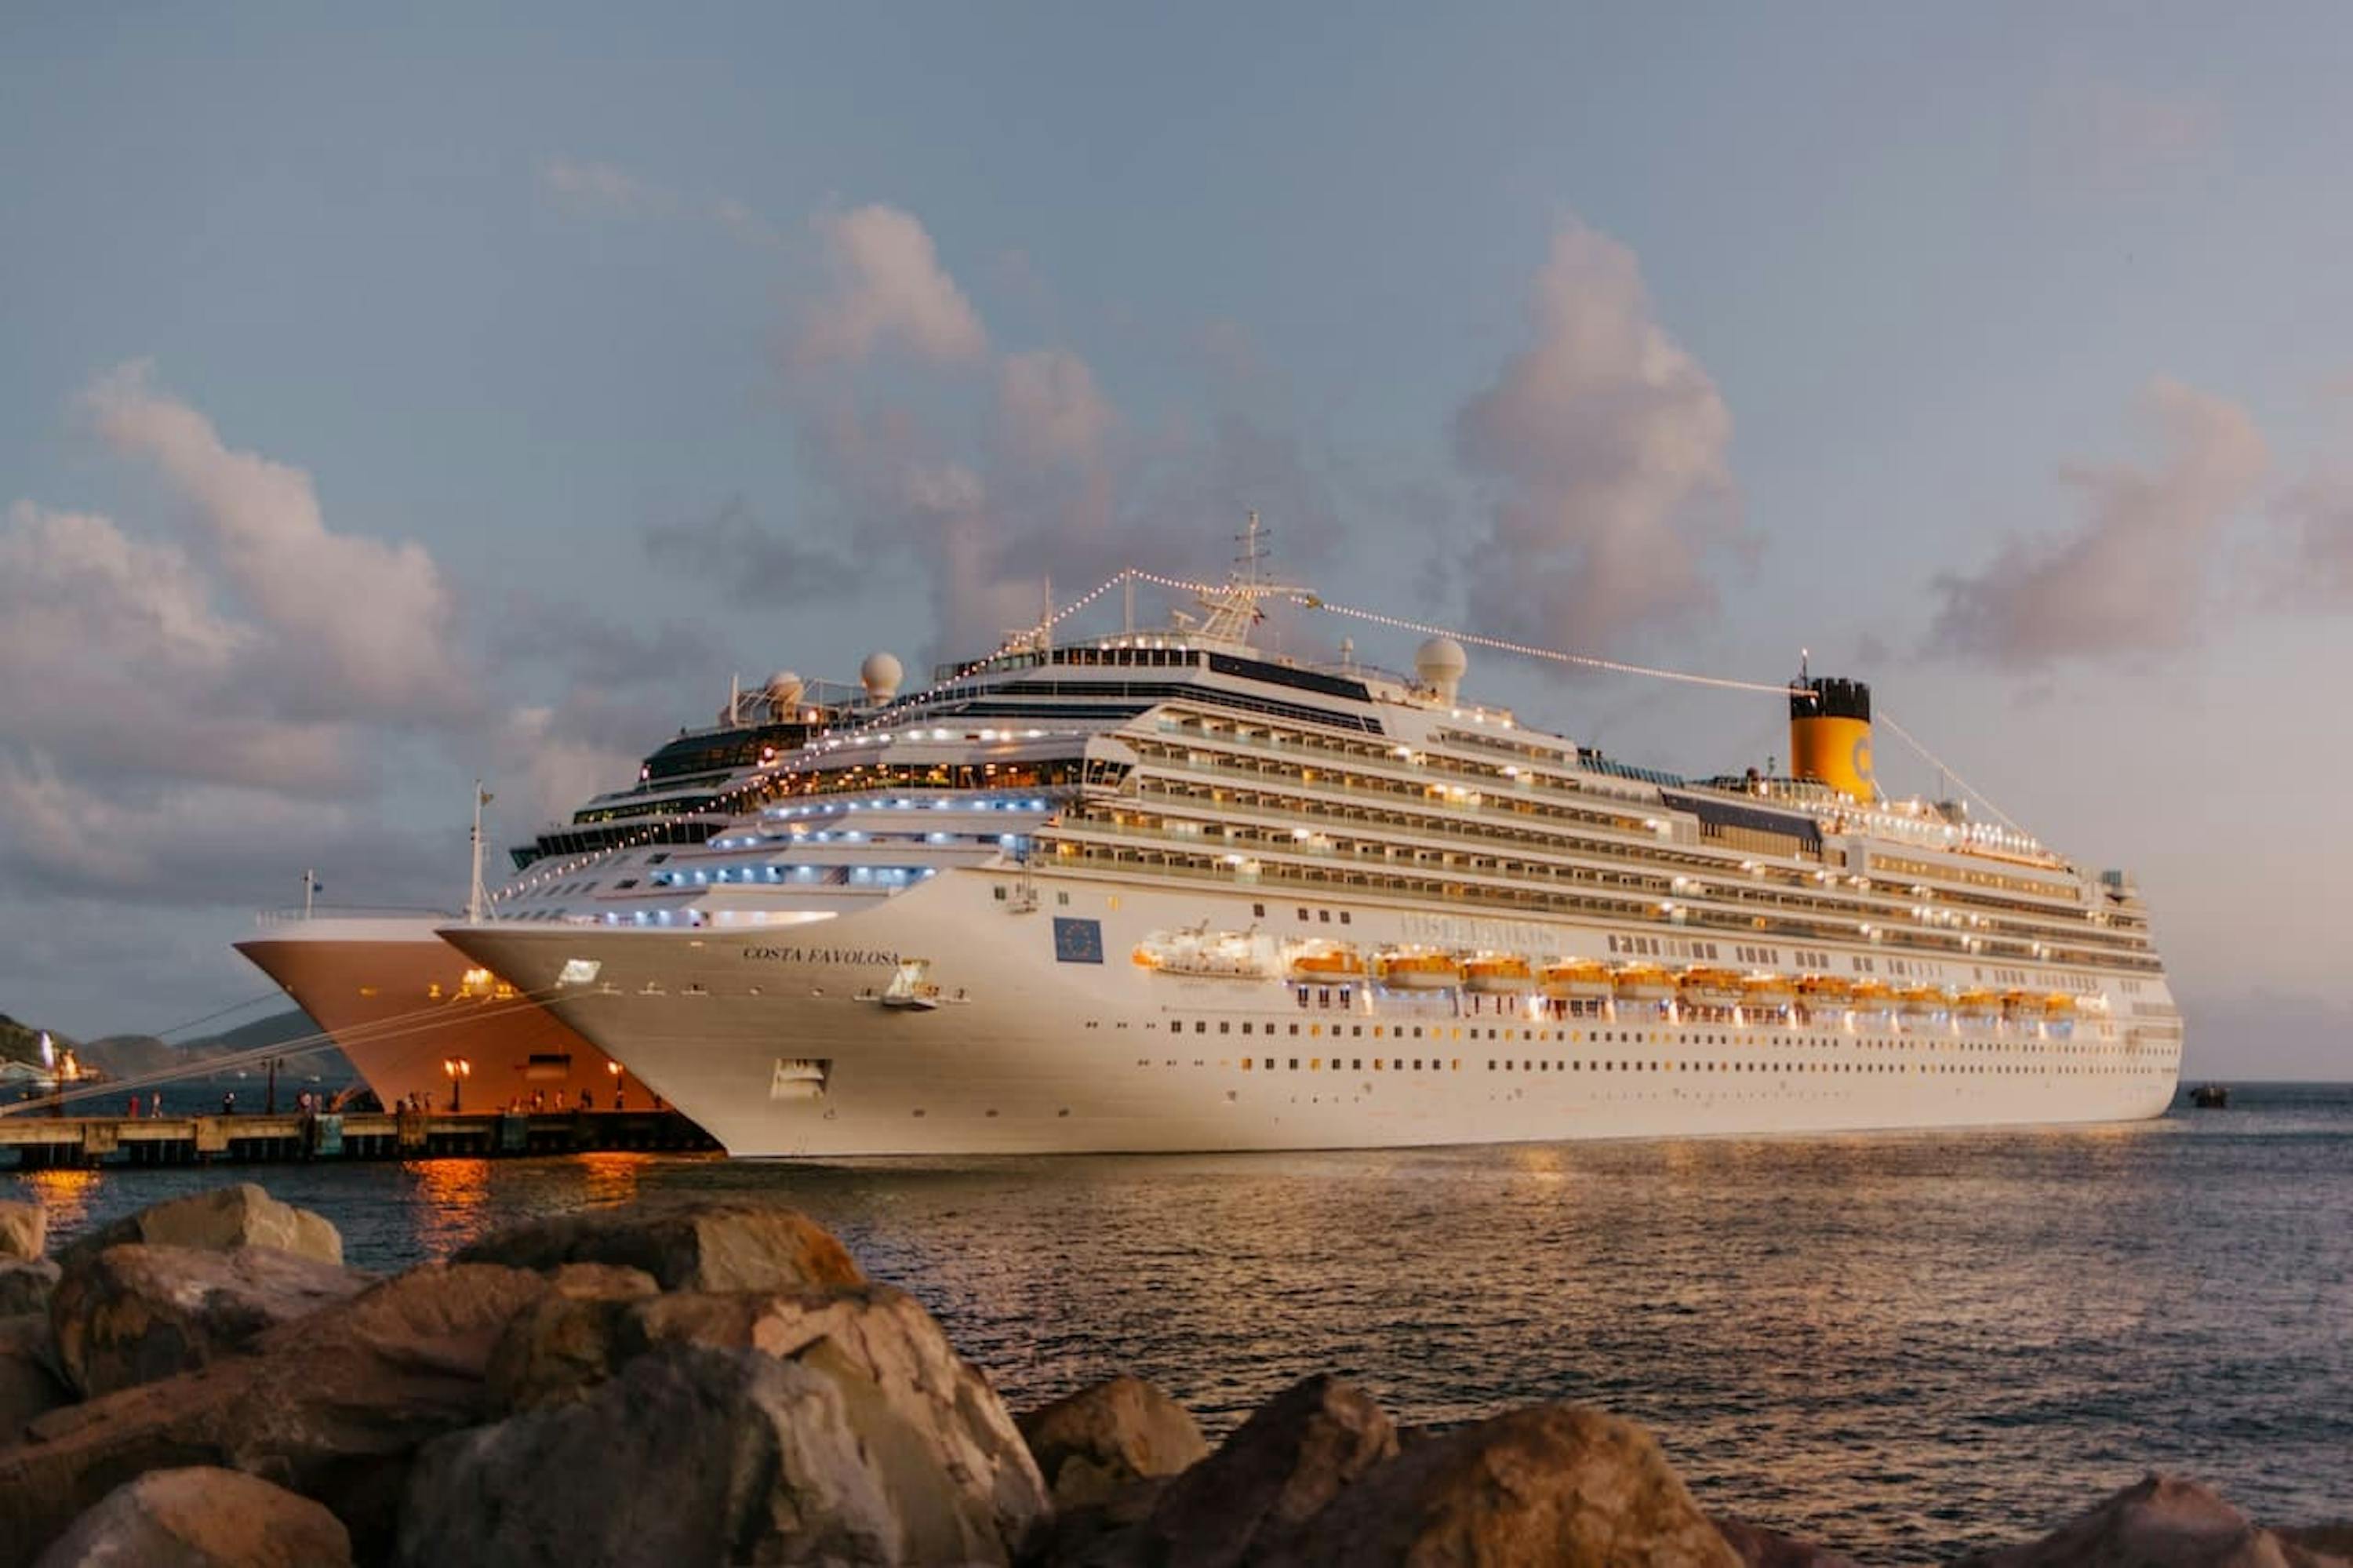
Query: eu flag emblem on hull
point(1077, 941)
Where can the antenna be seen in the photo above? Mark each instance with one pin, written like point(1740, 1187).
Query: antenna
point(477, 898)
point(1254, 541)
point(310, 886)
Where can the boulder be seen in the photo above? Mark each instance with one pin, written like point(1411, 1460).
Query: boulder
point(697, 1454)
point(1280, 1468)
point(25, 1285)
point(23, 1230)
point(2161, 1522)
point(1760, 1548)
point(203, 1518)
point(562, 1346)
point(2332, 1540)
point(334, 1405)
point(134, 1314)
point(1550, 1484)
point(29, 1384)
point(709, 1245)
point(218, 1219)
point(1091, 1444)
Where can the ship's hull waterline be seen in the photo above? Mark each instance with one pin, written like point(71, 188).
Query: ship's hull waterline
point(396, 1000)
point(1046, 1038)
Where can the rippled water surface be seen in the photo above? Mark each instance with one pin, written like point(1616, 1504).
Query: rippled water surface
point(1903, 1344)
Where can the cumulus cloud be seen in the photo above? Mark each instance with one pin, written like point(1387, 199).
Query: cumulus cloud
point(1049, 410)
point(2315, 565)
point(2130, 577)
point(754, 565)
point(888, 289)
point(370, 622)
point(601, 189)
point(1601, 448)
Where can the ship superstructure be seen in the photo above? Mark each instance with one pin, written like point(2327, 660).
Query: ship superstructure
point(1167, 891)
point(414, 1015)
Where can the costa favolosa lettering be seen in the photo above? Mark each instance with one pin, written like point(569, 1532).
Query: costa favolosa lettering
point(834, 956)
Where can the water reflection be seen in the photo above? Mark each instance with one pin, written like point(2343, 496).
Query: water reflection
point(1906, 1345)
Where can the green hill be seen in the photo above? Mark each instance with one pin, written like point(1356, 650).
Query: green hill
point(22, 1041)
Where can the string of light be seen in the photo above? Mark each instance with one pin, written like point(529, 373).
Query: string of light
point(1055, 616)
point(1938, 763)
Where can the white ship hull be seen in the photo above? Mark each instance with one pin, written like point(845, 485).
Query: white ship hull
point(395, 999)
point(1049, 1040)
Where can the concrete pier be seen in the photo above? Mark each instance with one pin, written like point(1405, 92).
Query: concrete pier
point(31, 1142)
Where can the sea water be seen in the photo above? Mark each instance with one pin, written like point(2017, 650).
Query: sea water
point(1902, 1345)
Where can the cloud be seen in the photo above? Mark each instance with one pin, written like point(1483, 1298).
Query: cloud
point(1601, 450)
point(1049, 411)
point(602, 190)
point(369, 622)
point(2131, 579)
point(888, 289)
point(593, 648)
point(2315, 520)
point(754, 565)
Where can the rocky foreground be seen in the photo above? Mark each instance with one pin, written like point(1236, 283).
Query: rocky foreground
point(206, 1383)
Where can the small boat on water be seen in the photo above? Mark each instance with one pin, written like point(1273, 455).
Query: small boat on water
point(2210, 1097)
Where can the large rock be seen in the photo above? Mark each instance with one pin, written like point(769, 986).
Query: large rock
point(1550, 1484)
point(710, 1244)
point(29, 1384)
point(1280, 1469)
point(23, 1230)
point(696, 1455)
point(2159, 1523)
point(134, 1314)
point(27, 1284)
point(203, 1518)
point(216, 1220)
point(1090, 1445)
point(562, 1345)
point(334, 1405)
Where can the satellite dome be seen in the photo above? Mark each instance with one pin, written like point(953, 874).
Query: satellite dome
point(1440, 662)
point(783, 690)
point(879, 675)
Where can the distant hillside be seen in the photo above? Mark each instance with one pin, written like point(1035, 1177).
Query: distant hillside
point(22, 1041)
point(121, 1056)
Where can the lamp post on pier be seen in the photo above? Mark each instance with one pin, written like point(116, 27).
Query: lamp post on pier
point(615, 1068)
point(457, 1069)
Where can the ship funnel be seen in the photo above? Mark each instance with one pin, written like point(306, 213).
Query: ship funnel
point(1440, 662)
point(1829, 736)
point(879, 675)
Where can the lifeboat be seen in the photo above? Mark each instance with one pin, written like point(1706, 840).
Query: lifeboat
point(2059, 1004)
point(1976, 1004)
point(1643, 982)
point(2021, 1004)
point(1497, 972)
point(1922, 1001)
point(1872, 996)
point(1711, 987)
point(1205, 954)
point(1825, 990)
point(1769, 991)
point(1327, 963)
point(1575, 977)
point(1417, 969)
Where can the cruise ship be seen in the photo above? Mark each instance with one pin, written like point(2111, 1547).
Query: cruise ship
point(1170, 891)
point(417, 1018)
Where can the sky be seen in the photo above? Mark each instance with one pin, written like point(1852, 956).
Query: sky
point(386, 403)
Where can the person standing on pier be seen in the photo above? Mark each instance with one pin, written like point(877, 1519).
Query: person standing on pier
point(134, 1108)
